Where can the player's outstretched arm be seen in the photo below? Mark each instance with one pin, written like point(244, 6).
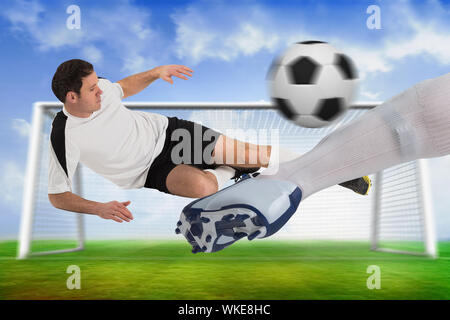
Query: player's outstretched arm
point(113, 210)
point(136, 83)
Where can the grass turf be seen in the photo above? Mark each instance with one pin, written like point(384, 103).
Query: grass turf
point(261, 269)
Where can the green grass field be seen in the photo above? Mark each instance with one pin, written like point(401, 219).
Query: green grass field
point(261, 269)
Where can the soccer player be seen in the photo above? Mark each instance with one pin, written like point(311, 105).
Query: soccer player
point(136, 149)
point(412, 125)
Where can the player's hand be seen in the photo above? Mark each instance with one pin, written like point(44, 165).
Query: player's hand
point(116, 211)
point(167, 72)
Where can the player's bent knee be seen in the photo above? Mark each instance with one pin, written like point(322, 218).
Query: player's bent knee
point(203, 188)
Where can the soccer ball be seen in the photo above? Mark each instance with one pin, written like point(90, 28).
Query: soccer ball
point(312, 83)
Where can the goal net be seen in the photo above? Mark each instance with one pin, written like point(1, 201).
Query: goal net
point(396, 216)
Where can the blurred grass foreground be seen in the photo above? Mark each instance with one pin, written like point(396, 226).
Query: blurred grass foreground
point(262, 269)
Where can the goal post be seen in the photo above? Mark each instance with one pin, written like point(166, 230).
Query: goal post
point(385, 209)
point(397, 216)
point(36, 140)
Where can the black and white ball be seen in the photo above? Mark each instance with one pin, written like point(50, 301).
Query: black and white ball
point(312, 83)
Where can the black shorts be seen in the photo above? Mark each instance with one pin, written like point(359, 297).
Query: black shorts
point(197, 140)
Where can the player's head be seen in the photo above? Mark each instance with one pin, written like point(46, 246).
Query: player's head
point(75, 84)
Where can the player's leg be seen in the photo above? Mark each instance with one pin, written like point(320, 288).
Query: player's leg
point(414, 124)
point(247, 157)
point(185, 166)
point(188, 181)
point(233, 152)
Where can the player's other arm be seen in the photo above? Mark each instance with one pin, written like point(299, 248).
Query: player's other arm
point(136, 83)
point(113, 210)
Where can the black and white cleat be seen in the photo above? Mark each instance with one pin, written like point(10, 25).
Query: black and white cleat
point(252, 208)
point(181, 229)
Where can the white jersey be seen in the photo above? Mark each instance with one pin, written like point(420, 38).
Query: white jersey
point(115, 142)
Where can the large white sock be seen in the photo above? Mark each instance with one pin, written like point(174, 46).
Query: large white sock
point(223, 174)
point(414, 124)
point(279, 155)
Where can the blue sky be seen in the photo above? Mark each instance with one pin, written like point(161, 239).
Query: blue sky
point(229, 44)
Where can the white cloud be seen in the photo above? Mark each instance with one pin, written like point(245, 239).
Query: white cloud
point(205, 31)
point(250, 39)
point(135, 62)
point(368, 61)
point(125, 30)
point(93, 54)
point(369, 94)
point(422, 30)
point(11, 182)
point(31, 18)
point(426, 40)
point(122, 30)
point(216, 31)
point(22, 127)
point(417, 36)
point(24, 14)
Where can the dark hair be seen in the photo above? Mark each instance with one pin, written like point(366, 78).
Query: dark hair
point(68, 77)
